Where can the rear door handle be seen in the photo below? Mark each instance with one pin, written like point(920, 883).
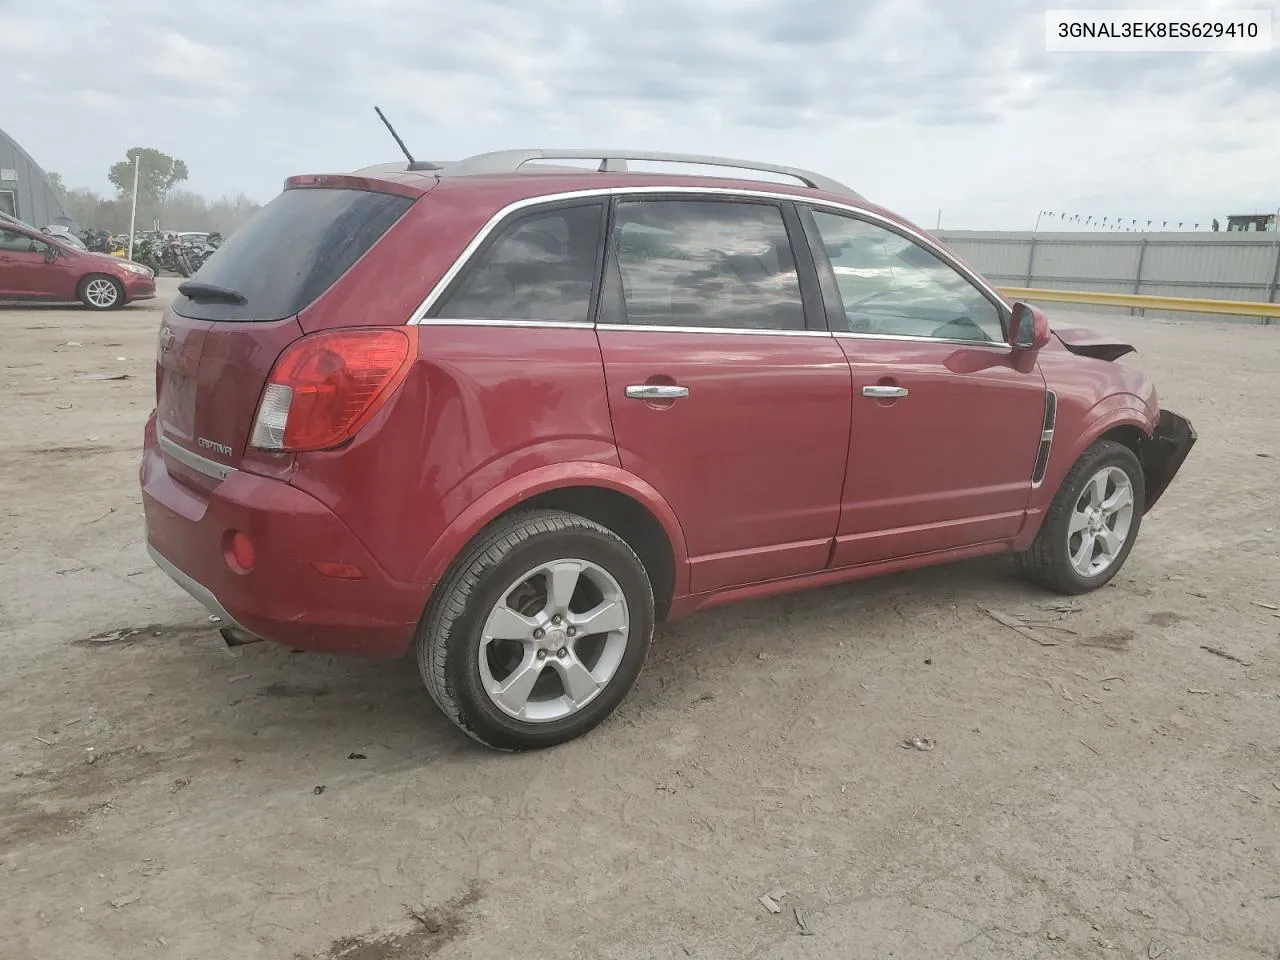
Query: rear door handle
point(880, 391)
point(656, 391)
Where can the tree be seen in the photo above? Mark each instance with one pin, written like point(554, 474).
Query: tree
point(56, 181)
point(157, 174)
point(185, 210)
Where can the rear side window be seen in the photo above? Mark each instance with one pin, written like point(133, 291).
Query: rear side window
point(540, 267)
point(292, 251)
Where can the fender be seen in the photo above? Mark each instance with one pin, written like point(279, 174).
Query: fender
point(1116, 410)
point(511, 492)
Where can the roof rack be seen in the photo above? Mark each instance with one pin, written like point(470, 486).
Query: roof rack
point(615, 161)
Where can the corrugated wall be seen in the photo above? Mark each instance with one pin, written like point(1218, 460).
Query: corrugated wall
point(1217, 266)
point(20, 176)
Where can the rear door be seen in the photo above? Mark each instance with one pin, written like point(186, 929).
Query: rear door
point(947, 420)
point(25, 267)
point(726, 395)
point(217, 345)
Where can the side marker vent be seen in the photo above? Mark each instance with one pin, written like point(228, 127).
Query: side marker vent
point(1046, 438)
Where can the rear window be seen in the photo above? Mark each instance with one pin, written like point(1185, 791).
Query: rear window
point(292, 251)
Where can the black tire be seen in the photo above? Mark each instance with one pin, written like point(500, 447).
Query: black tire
point(87, 292)
point(449, 638)
point(1048, 561)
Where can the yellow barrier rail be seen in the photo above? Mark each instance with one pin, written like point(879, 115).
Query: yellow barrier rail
point(1239, 308)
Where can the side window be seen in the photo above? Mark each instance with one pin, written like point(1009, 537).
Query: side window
point(541, 267)
point(704, 263)
point(893, 286)
point(16, 242)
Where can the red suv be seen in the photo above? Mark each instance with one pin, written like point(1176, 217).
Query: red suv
point(513, 414)
point(38, 266)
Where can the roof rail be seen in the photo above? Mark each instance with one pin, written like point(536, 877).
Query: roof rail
point(615, 161)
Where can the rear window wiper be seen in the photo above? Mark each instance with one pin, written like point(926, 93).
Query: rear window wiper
point(210, 293)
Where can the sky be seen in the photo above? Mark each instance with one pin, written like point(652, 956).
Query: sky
point(947, 108)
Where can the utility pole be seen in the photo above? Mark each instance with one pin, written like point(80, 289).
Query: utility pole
point(133, 211)
point(1275, 273)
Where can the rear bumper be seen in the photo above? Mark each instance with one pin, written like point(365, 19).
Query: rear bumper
point(1164, 453)
point(283, 598)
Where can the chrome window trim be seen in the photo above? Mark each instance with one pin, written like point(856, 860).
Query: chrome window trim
point(210, 468)
point(910, 338)
point(464, 322)
point(433, 296)
point(750, 331)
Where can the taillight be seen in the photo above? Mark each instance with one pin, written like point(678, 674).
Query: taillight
point(326, 386)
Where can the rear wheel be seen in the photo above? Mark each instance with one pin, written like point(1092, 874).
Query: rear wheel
point(100, 292)
point(538, 631)
point(1092, 523)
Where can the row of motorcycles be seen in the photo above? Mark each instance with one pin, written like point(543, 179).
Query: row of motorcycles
point(182, 254)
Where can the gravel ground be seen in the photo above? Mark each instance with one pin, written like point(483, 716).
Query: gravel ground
point(1114, 795)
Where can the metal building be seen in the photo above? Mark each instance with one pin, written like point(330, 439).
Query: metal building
point(1247, 222)
point(25, 191)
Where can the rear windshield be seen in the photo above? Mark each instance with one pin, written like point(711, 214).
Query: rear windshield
point(292, 251)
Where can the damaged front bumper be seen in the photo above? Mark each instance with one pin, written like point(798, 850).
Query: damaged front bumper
point(1163, 454)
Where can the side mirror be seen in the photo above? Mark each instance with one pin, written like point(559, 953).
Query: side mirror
point(1029, 327)
point(50, 253)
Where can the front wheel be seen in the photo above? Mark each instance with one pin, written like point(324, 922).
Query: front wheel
point(1092, 523)
point(538, 631)
point(99, 292)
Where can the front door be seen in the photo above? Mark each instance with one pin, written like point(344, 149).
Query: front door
point(726, 396)
point(947, 420)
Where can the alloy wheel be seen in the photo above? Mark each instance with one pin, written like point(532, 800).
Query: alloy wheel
point(554, 640)
point(102, 293)
point(1100, 522)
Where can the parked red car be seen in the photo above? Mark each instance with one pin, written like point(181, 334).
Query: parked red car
point(512, 415)
point(40, 266)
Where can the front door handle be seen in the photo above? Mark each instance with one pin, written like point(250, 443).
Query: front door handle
point(656, 391)
point(881, 391)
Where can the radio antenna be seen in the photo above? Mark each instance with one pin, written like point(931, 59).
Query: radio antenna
point(413, 164)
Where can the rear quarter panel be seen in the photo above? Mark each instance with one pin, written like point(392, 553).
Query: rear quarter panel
point(481, 406)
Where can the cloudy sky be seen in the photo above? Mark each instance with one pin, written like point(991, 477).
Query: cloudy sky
point(919, 104)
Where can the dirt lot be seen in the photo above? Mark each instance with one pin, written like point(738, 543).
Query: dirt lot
point(1115, 795)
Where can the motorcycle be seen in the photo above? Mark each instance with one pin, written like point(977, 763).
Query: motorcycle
point(200, 250)
point(148, 250)
point(96, 241)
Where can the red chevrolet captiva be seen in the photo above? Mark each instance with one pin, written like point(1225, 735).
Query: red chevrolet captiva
point(511, 414)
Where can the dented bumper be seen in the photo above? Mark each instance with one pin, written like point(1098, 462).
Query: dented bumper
point(1163, 454)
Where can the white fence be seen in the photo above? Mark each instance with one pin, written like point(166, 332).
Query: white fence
point(1217, 266)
